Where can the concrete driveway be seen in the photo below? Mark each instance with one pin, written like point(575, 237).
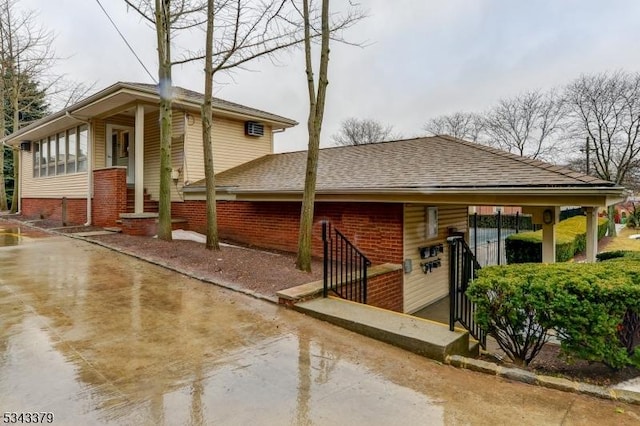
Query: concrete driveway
point(96, 337)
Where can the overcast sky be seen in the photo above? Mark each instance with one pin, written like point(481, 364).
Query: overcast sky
point(423, 59)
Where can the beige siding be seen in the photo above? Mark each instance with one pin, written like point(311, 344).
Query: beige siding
point(230, 146)
point(152, 153)
point(121, 120)
point(72, 185)
point(98, 128)
point(421, 289)
point(99, 137)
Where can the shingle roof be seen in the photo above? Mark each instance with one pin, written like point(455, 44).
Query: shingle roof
point(181, 93)
point(430, 162)
point(144, 89)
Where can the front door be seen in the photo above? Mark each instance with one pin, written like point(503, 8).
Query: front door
point(120, 149)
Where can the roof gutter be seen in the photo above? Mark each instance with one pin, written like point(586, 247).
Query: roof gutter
point(601, 190)
point(139, 91)
point(594, 196)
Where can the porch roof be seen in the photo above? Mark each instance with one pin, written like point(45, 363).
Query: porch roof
point(122, 96)
point(412, 169)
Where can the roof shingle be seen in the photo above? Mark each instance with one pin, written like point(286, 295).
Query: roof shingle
point(196, 97)
point(430, 162)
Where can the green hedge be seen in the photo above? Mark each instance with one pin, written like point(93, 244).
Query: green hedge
point(593, 308)
point(618, 255)
point(571, 238)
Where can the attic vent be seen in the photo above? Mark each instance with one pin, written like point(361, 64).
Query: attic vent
point(251, 128)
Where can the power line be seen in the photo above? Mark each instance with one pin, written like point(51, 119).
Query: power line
point(126, 42)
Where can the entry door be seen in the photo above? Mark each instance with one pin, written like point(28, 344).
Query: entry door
point(120, 149)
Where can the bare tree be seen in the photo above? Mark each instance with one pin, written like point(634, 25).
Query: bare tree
point(3, 127)
point(68, 92)
point(355, 131)
point(605, 108)
point(166, 16)
point(527, 125)
point(461, 125)
point(317, 97)
point(238, 32)
point(26, 55)
point(212, 242)
point(314, 127)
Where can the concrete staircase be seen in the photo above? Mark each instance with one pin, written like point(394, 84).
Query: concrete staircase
point(150, 206)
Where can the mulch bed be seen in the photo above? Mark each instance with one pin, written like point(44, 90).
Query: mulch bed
point(551, 362)
point(261, 271)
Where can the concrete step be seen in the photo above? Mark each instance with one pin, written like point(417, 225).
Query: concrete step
point(147, 203)
point(423, 337)
point(148, 206)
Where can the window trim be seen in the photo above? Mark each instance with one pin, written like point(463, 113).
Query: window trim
point(53, 141)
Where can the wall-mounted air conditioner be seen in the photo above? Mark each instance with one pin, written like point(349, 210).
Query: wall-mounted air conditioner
point(252, 128)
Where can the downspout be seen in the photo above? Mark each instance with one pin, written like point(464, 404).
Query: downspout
point(89, 165)
point(273, 132)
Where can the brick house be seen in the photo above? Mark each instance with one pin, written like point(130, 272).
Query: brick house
point(98, 162)
point(393, 199)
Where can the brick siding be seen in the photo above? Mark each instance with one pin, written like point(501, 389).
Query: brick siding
point(142, 227)
point(385, 291)
point(109, 195)
point(375, 228)
point(51, 208)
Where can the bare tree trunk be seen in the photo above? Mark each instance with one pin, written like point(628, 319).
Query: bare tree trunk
point(314, 126)
point(611, 212)
point(3, 131)
point(15, 102)
point(209, 172)
point(16, 180)
point(162, 22)
point(3, 126)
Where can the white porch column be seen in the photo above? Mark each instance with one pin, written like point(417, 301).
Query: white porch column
point(549, 243)
point(550, 218)
point(592, 233)
point(139, 160)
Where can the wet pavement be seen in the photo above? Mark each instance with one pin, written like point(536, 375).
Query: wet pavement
point(96, 337)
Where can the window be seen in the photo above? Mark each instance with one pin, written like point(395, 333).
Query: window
point(83, 134)
point(52, 156)
point(64, 153)
point(44, 157)
point(72, 152)
point(125, 145)
point(36, 159)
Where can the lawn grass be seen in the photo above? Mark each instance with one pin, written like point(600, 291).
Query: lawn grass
point(623, 242)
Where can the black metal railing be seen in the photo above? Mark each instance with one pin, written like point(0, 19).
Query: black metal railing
point(345, 267)
point(487, 235)
point(463, 266)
